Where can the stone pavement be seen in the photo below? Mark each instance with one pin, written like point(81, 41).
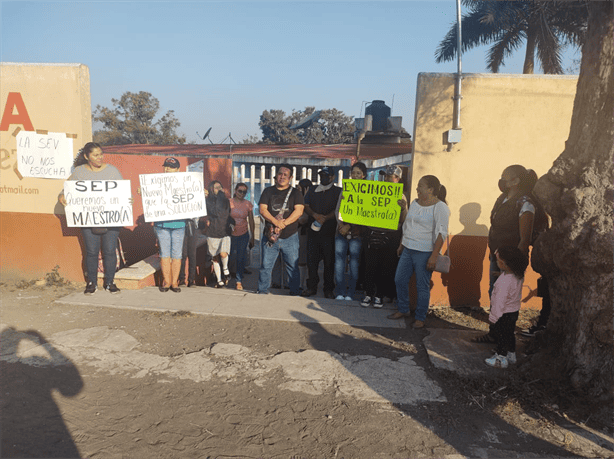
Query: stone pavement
point(365, 378)
point(447, 349)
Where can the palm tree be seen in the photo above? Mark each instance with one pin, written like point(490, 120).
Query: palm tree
point(546, 26)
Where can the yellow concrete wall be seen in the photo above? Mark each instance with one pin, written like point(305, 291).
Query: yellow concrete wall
point(505, 119)
point(33, 233)
point(57, 99)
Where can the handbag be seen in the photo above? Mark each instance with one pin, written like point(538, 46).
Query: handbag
point(270, 235)
point(443, 263)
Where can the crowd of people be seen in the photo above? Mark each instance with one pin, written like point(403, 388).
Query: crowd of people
point(303, 227)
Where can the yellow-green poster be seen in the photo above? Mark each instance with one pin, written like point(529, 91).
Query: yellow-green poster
point(370, 203)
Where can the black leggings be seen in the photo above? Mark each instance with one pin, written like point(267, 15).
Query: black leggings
point(503, 332)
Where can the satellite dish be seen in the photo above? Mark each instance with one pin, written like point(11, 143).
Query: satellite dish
point(306, 122)
point(206, 135)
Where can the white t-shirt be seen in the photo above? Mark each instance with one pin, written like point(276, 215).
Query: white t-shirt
point(526, 207)
point(423, 225)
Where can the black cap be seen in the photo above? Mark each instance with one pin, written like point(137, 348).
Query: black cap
point(327, 170)
point(171, 162)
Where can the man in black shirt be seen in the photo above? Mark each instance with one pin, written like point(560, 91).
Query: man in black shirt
point(320, 205)
point(281, 206)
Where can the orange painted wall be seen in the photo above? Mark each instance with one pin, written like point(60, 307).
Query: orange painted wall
point(33, 244)
point(467, 282)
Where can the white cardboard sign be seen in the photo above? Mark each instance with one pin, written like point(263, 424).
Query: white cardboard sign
point(44, 155)
point(173, 196)
point(103, 203)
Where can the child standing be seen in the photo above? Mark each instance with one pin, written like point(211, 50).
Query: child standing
point(505, 304)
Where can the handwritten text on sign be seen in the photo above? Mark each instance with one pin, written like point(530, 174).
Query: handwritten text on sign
point(172, 196)
point(98, 203)
point(44, 155)
point(371, 203)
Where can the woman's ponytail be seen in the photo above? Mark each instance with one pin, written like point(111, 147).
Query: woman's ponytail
point(439, 191)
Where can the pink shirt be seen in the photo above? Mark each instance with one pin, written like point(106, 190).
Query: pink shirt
point(239, 210)
point(505, 297)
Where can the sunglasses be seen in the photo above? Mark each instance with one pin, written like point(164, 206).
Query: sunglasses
point(241, 191)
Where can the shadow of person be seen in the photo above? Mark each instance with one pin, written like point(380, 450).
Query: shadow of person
point(31, 368)
point(467, 251)
point(58, 211)
point(138, 243)
point(397, 372)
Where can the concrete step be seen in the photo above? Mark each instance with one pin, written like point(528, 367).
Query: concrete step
point(138, 275)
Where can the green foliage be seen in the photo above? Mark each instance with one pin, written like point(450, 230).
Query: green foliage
point(546, 27)
point(54, 278)
point(132, 121)
point(332, 127)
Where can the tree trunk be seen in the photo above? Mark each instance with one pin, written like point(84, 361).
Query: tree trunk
point(529, 57)
point(576, 254)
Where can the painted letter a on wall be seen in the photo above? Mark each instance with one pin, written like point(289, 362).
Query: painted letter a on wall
point(14, 101)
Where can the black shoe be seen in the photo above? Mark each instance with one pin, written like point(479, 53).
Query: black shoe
point(181, 282)
point(112, 288)
point(163, 289)
point(191, 284)
point(175, 289)
point(533, 330)
point(308, 292)
point(90, 289)
point(329, 294)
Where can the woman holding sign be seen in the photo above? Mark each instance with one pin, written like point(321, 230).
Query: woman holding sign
point(170, 236)
point(348, 241)
point(424, 230)
point(89, 165)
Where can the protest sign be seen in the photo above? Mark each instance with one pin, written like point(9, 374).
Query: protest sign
point(172, 196)
point(98, 203)
point(44, 155)
point(370, 203)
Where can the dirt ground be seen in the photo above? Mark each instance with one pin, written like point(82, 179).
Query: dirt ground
point(76, 410)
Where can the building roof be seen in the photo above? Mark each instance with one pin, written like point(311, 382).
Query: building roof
point(375, 155)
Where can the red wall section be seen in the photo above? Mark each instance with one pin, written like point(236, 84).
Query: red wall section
point(33, 244)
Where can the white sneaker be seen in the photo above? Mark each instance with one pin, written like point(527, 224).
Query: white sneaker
point(377, 303)
point(497, 361)
point(366, 302)
point(349, 298)
point(511, 358)
point(340, 297)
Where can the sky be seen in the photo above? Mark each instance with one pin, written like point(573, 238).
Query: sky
point(220, 64)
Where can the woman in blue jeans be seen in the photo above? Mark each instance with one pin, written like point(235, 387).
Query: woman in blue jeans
point(424, 230)
point(89, 165)
point(348, 240)
point(170, 236)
